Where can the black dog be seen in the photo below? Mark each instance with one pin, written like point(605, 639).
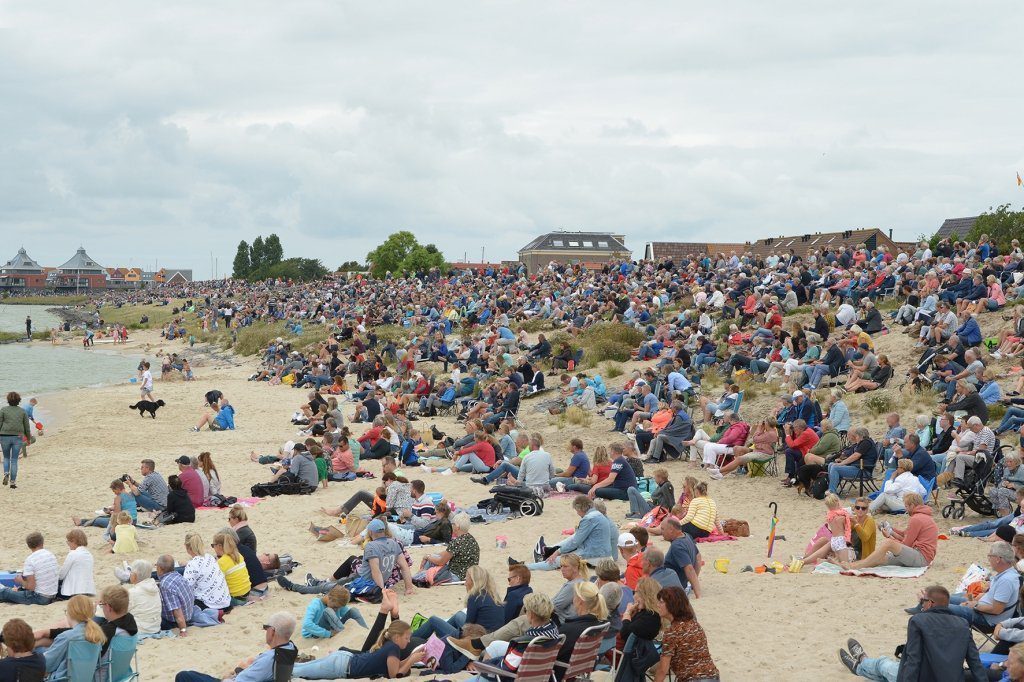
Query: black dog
point(144, 406)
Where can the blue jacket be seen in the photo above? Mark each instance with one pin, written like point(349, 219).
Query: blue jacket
point(923, 463)
point(482, 610)
point(590, 541)
point(970, 332)
point(840, 416)
point(514, 601)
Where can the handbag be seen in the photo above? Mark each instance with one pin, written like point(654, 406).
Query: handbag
point(736, 528)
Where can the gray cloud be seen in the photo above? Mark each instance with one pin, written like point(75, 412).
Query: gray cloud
point(169, 133)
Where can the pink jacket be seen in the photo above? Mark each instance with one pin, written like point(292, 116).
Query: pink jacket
point(735, 434)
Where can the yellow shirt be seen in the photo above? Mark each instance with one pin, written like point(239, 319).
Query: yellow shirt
point(125, 541)
point(866, 533)
point(702, 513)
point(236, 576)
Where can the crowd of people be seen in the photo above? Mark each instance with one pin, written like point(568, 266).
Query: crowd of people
point(404, 350)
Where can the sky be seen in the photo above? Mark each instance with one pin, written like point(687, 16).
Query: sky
point(165, 133)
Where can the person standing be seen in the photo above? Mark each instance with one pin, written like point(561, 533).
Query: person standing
point(28, 327)
point(14, 430)
point(147, 382)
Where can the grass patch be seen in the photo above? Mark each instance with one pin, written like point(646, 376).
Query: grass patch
point(612, 370)
point(750, 387)
point(576, 416)
point(879, 403)
point(159, 315)
point(535, 325)
point(253, 339)
point(800, 310)
point(7, 337)
point(608, 341)
point(996, 412)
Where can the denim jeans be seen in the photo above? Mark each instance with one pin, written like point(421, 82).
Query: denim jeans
point(1013, 418)
point(972, 617)
point(471, 464)
point(612, 493)
point(12, 448)
point(637, 503)
point(836, 472)
point(503, 469)
point(437, 626)
point(986, 528)
point(145, 502)
point(332, 667)
point(10, 595)
point(883, 669)
point(193, 676)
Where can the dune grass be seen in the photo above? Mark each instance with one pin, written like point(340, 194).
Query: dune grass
point(44, 300)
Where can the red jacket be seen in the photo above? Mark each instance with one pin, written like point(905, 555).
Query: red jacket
point(804, 442)
point(735, 435)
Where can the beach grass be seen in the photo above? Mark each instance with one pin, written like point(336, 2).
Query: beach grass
point(9, 337)
point(130, 315)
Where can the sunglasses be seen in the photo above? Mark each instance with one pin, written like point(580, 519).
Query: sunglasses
point(861, 508)
point(268, 627)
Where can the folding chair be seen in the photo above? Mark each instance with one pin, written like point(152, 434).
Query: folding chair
point(583, 660)
point(864, 480)
point(447, 409)
point(284, 662)
point(536, 666)
point(122, 659)
point(83, 659)
point(767, 467)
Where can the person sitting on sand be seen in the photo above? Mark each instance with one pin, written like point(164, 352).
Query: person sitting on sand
point(22, 661)
point(221, 417)
point(38, 581)
point(590, 540)
point(277, 634)
point(835, 543)
point(238, 520)
point(179, 507)
point(326, 615)
point(144, 597)
point(451, 564)
point(123, 539)
point(204, 576)
point(864, 530)
point(123, 501)
point(76, 573)
point(912, 547)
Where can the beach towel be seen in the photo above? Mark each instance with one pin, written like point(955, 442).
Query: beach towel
point(715, 537)
point(244, 501)
point(826, 568)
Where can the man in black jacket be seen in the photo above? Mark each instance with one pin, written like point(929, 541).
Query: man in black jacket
point(938, 645)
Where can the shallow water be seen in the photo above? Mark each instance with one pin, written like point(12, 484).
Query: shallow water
point(38, 367)
point(12, 318)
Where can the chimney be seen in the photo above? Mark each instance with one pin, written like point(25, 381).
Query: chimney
point(890, 233)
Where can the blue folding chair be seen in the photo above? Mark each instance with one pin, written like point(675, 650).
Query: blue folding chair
point(83, 659)
point(122, 662)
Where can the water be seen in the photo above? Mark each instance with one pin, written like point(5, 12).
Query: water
point(12, 318)
point(38, 367)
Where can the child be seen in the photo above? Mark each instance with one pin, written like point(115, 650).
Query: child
point(323, 467)
point(122, 534)
point(326, 615)
point(186, 369)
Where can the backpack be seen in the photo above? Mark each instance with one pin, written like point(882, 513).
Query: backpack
point(819, 486)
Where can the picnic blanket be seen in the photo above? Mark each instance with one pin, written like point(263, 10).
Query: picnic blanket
point(244, 501)
point(715, 537)
point(827, 568)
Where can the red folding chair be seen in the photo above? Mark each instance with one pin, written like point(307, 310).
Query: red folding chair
point(537, 665)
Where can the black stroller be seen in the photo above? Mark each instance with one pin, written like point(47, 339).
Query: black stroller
point(970, 490)
point(522, 500)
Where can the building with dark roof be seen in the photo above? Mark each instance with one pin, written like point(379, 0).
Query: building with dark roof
point(802, 244)
point(21, 272)
point(592, 249)
point(78, 273)
point(956, 226)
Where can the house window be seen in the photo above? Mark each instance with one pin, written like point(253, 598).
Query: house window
point(557, 242)
point(603, 245)
point(576, 244)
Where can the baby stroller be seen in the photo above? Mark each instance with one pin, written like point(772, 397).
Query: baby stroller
point(522, 500)
point(970, 490)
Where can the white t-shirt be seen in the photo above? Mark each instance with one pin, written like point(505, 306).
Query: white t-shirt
point(147, 380)
point(43, 565)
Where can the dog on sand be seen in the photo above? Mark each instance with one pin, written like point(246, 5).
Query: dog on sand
point(144, 406)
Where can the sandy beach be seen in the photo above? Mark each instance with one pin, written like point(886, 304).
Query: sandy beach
point(759, 626)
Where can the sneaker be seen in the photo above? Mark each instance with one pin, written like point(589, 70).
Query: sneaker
point(13, 485)
point(849, 661)
point(478, 479)
point(539, 548)
point(716, 474)
point(996, 354)
point(856, 650)
point(194, 429)
point(914, 610)
point(311, 580)
point(464, 646)
point(633, 515)
point(560, 487)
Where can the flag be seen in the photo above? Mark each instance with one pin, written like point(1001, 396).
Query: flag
point(1019, 181)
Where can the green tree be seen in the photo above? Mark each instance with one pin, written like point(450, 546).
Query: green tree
point(350, 266)
point(1001, 224)
point(257, 255)
point(273, 252)
point(297, 269)
point(242, 266)
point(388, 257)
point(422, 258)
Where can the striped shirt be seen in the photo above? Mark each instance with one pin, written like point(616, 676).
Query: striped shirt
point(985, 440)
point(702, 513)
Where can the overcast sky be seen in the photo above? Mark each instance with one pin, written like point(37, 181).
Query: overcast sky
point(168, 131)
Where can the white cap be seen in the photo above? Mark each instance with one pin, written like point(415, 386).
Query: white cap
point(797, 394)
point(627, 540)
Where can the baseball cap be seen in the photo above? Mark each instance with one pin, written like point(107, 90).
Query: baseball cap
point(375, 526)
point(184, 459)
point(627, 540)
point(798, 394)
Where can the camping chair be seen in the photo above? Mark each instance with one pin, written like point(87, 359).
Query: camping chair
point(584, 654)
point(618, 655)
point(447, 409)
point(83, 659)
point(123, 660)
point(537, 665)
point(767, 467)
point(284, 662)
point(864, 480)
